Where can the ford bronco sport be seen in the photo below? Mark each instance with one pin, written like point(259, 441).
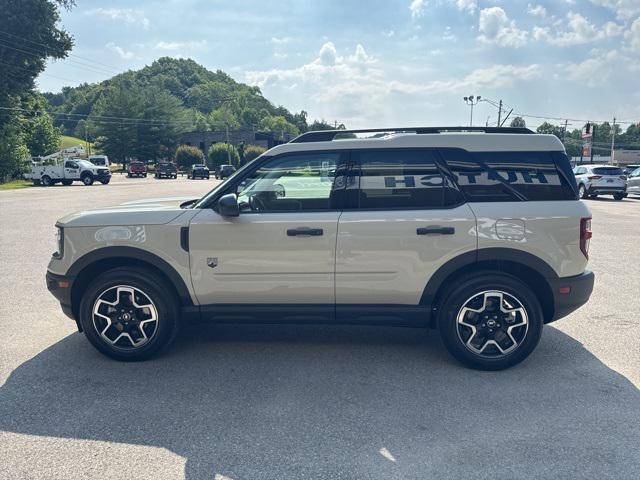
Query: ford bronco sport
point(476, 232)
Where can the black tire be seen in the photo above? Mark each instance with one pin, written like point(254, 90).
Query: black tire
point(582, 191)
point(36, 182)
point(46, 181)
point(618, 196)
point(144, 175)
point(87, 179)
point(66, 183)
point(155, 289)
point(469, 289)
point(129, 175)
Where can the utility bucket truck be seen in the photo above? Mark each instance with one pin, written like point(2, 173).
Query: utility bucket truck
point(59, 167)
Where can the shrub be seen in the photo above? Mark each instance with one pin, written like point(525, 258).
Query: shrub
point(252, 152)
point(186, 155)
point(221, 153)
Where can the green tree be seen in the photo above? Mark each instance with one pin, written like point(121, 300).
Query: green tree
point(29, 35)
point(41, 137)
point(518, 122)
point(223, 154)
point(136, 122)
point(186, 155)
point(252, 152)
point(279, 126)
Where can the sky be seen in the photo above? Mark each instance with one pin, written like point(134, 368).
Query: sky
point(375, 63)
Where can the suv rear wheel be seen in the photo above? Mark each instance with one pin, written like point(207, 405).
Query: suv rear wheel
point(582, 191)
point(127, 314)
point(490, 321)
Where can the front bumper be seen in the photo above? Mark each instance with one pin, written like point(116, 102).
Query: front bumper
point(60, 287)
point(106, 175)
point(570, 293)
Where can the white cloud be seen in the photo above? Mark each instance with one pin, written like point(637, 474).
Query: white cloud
point(126, 15)
point(172, 46)
point(281, 40)
point(624, 9)
point(594, 71)
point(495, 27)
point(357, 89)
point(448, 36)
point(580, 31)
point(417, 8)
point(124, 54)
point(536, 10)
point(469, 6)
point(632, 36)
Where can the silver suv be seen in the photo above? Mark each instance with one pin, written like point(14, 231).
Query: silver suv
point(594, 180)
point(476, 232)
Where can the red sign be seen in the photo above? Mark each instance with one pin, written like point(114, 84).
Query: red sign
point(586, 150)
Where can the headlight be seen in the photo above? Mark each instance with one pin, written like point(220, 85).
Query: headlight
point(59, 243)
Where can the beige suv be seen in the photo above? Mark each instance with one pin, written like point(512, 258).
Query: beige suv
point(476, 232)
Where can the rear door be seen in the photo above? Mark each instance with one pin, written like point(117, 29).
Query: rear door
point(403, 220)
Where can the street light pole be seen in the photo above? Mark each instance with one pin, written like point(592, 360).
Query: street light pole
point(472, 101)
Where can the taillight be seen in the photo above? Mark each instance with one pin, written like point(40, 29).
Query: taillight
point(595, 177)
point(585, 235)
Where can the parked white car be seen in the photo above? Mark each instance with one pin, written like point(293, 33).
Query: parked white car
point(633, 182)
point(594, 180)
point(99, 160)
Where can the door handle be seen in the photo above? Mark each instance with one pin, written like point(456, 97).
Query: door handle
point(436, 231)
point(304, 232)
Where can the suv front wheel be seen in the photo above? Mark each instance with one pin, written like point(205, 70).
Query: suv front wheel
point(127, 314)
point(490, 321)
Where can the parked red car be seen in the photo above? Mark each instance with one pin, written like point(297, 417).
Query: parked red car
point(137, 169)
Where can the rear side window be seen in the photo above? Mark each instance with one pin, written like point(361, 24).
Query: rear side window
point(608, 171)
point(401, 179)
point(509, 176)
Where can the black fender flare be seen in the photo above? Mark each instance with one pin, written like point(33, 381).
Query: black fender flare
point(492, 254)
point(135, 254)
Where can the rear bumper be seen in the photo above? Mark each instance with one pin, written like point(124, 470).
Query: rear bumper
point(606, 190)
point(578, 290)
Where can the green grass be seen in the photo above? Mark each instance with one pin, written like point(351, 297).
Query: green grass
point(67, 141)
point(15, 184)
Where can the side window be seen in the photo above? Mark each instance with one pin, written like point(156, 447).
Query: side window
point(69, 164)
point(581, 170)
point(291, 183)
point(400, 179)
point(508, 176)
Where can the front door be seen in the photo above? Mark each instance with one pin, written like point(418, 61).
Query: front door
point(71, 170)
point(404, 221)
point(281, 248)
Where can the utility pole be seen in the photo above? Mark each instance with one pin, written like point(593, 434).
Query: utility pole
point(499, 111)
point(613, 141)
point(564, 130)
point(593, 141)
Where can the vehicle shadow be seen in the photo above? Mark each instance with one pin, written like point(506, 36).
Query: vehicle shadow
point(337, 402)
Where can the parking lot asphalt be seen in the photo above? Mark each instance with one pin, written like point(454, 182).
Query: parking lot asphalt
point(276, 402)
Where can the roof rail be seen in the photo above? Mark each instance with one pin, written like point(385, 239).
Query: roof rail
point(328, 135)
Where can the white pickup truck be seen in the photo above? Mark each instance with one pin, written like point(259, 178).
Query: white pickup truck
point(67, 171)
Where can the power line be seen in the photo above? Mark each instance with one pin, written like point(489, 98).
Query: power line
point(46, 46)
point(80, 65)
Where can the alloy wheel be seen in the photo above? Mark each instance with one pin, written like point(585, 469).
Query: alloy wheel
point(125, 317)
point(492, 324)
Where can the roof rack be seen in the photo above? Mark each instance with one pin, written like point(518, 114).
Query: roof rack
point(329, 135)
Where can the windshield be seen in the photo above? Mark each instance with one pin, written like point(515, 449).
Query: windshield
point(204, 200)
point(84, 163)
point(607, 171)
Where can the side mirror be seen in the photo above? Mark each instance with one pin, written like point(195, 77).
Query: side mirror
point(228, 205)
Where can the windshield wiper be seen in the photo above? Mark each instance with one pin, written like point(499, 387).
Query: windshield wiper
point(189, 203)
